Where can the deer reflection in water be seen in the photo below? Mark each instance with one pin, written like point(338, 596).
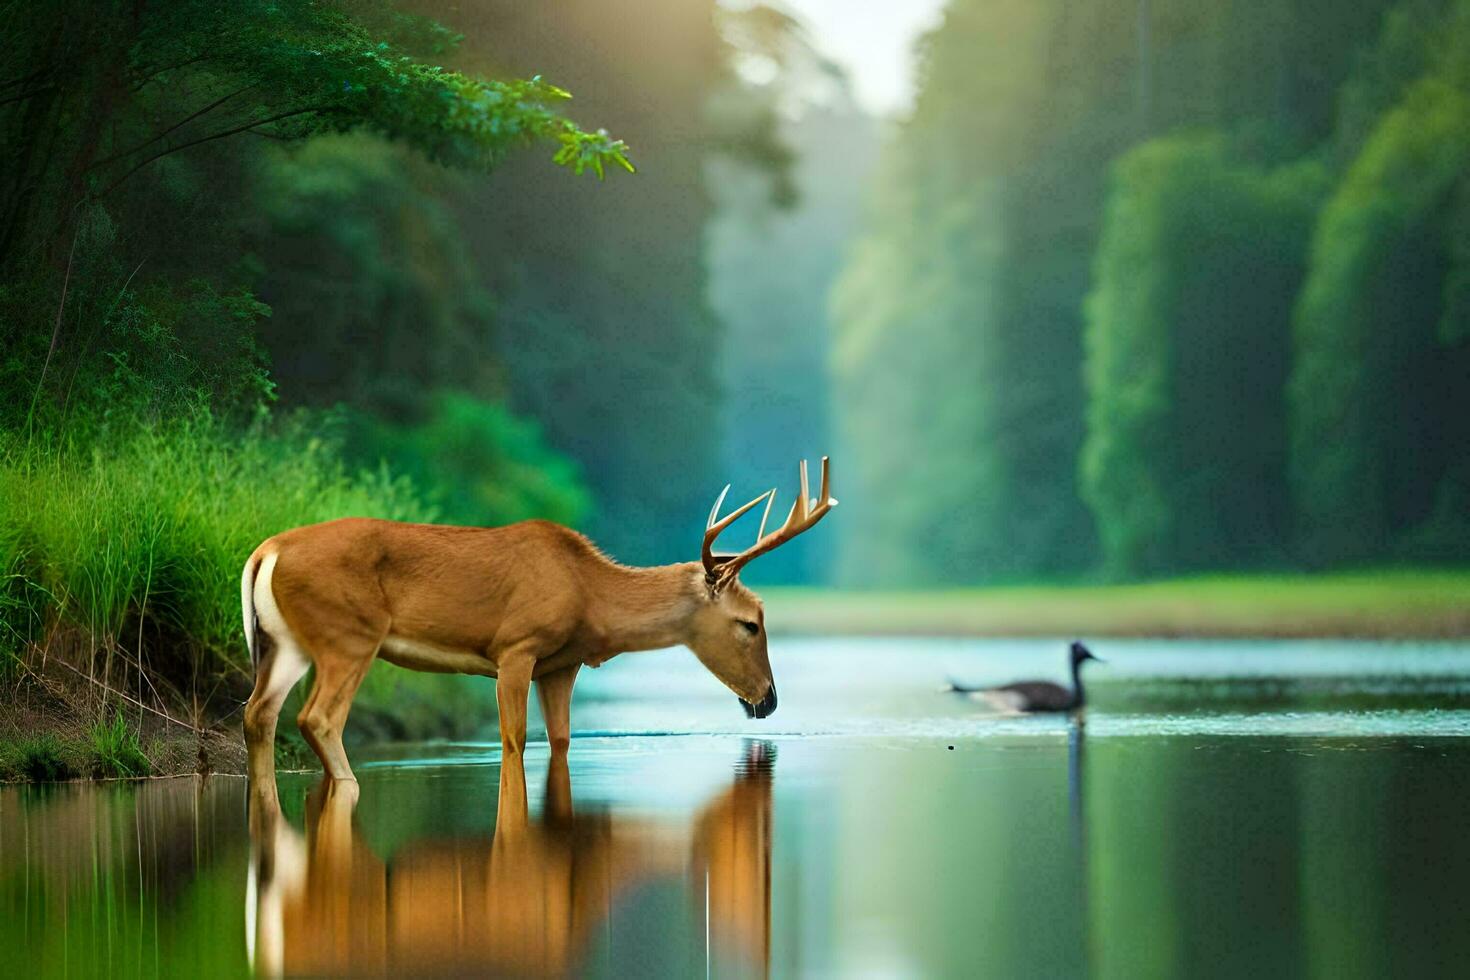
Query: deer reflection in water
point(528, 901)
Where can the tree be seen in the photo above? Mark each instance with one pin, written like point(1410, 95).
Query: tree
point(1379, 404)
point(98, 75)
point(102, 94)
point(1188, 338)
point(376, 302)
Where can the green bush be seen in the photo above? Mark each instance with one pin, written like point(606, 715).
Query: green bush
point(478, 463)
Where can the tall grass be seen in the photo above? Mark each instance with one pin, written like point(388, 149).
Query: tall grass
point(137, 545)
point(115, 748)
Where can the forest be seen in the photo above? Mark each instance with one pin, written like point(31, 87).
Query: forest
point(1138, 288)
point(269, 263)
point(1148, 287)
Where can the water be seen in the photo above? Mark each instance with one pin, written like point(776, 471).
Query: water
point(1226, 809)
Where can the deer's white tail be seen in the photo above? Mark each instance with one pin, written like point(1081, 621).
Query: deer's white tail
point(247, 608)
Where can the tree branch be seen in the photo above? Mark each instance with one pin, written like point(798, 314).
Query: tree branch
point(182, 122)
point(167, 68)
point(206, 139)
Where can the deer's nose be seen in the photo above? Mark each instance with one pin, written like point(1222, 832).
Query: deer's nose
point(766, 706)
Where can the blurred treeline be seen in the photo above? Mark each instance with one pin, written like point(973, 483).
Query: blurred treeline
point(253, 275)
point(772, 252)
point(1149, 286)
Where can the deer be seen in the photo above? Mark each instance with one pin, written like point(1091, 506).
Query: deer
point(531, 601)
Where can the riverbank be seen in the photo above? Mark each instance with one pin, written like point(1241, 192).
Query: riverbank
point(52, 734)
point(57, 725)
point(1386, 604)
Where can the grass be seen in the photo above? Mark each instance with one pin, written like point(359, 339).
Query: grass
point(147, 536)
point(40, 759)
point(109, 747)
point(1389, 603)
point(115, 749)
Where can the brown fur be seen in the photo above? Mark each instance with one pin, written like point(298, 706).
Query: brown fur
point(533, 600)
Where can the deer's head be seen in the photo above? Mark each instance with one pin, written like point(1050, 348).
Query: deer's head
point(728, 632)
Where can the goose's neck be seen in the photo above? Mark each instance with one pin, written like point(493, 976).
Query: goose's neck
point(1078, 695)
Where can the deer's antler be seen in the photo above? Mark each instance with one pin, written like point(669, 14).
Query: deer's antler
point(806, 511)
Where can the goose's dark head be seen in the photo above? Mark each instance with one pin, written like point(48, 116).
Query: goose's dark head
point(1081, 653)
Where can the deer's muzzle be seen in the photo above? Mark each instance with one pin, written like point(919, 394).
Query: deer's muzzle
point(766, 706)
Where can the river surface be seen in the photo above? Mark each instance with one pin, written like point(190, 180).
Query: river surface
point(1224, 809)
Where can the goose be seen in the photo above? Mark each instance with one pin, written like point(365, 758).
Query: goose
point(1037, 695)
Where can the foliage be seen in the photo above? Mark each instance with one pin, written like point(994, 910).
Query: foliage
point(364, 249)
point(917, 301)
point(482, 464)
point(1398, 57)
point(132, 350)
point(104, 74)
point(604, 332)
point(149, 90)
point(1187, 355)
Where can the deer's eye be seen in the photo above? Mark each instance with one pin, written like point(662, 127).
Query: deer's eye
point(751, 628)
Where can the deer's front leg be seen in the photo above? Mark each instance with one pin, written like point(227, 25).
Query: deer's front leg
point(554, 690)
point(512, 690)
point(555, 693)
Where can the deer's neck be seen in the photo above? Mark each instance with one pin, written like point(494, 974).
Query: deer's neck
point(647, 608)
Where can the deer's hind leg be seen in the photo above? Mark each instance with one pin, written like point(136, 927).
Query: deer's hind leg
point(340, 625)
point(341, 665)
point(281, 665)
point(278, 672)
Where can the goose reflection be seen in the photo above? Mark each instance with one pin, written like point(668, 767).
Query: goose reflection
point(528, 901)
